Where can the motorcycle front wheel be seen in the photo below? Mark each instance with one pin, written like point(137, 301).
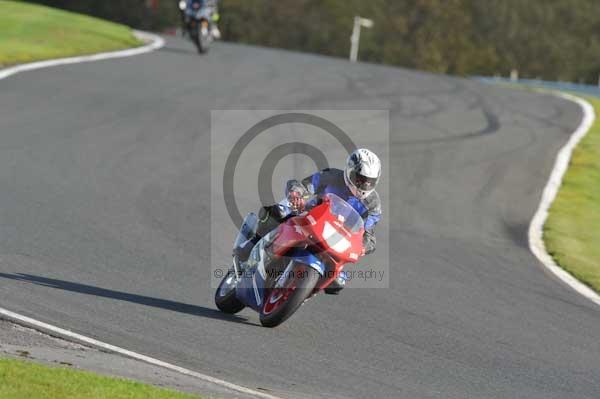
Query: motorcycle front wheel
point(225, 297)
point(288, 294)
point(203, 40)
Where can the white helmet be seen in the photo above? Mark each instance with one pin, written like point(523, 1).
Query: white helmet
point(363, 169)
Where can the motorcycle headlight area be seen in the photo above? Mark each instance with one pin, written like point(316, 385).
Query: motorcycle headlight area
point(335, 239)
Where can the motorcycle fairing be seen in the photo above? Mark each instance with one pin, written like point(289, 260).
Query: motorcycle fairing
point(251, 289)
point(307, 258)
point(199, 13)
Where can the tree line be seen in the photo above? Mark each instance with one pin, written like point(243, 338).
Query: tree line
point(547, 39)
point(139, 14)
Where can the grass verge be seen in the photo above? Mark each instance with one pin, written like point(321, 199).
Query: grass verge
point(30, 33)
point(25, 380)
point(572, 231)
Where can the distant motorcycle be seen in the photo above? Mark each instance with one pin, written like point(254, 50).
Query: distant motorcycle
point(198, 24)
point(309, 252)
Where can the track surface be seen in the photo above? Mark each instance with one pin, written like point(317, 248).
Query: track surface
point(104, 177)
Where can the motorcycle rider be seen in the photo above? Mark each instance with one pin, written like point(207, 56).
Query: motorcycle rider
point(213, 6)
point(355, 184)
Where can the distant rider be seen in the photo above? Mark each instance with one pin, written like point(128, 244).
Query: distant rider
point(213, 7)
point(356, 185)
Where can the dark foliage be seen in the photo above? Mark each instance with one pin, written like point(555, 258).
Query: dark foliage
point(550, 39)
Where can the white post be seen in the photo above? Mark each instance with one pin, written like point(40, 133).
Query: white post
point(355, 38)
point(514, 75)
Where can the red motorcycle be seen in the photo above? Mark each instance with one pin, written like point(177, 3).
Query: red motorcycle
point(307, 252)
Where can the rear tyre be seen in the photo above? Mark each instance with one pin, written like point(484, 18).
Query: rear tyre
point(287, 296)
point(196, 40)
point(225, 297)
point(194, 33)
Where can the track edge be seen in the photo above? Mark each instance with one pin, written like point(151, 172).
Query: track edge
point(561, 165)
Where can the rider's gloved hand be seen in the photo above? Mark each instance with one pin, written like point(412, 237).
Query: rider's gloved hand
point(296, 201)
point(296, 195)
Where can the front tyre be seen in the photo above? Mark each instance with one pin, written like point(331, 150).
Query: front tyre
point(225, 297)
point(203, 38)
point(288, 294)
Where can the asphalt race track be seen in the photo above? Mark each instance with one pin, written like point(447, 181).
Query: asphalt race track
point(105, 209)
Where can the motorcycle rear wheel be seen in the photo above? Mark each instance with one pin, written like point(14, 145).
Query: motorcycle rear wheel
point(284, 299)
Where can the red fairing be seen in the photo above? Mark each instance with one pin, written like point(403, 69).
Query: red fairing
point(322, 228)
point(321, 224)
point(289, 235)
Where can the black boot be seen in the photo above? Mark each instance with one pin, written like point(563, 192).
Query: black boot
point(336, 285)
point(243, 251)
point(268, 219)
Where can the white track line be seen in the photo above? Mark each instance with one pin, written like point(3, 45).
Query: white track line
point(61, 332)
point(155, 42)
point(536, 242)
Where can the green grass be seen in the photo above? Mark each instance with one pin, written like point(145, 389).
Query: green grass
point(31, 32)
point(25, 380)
point(572, 232)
